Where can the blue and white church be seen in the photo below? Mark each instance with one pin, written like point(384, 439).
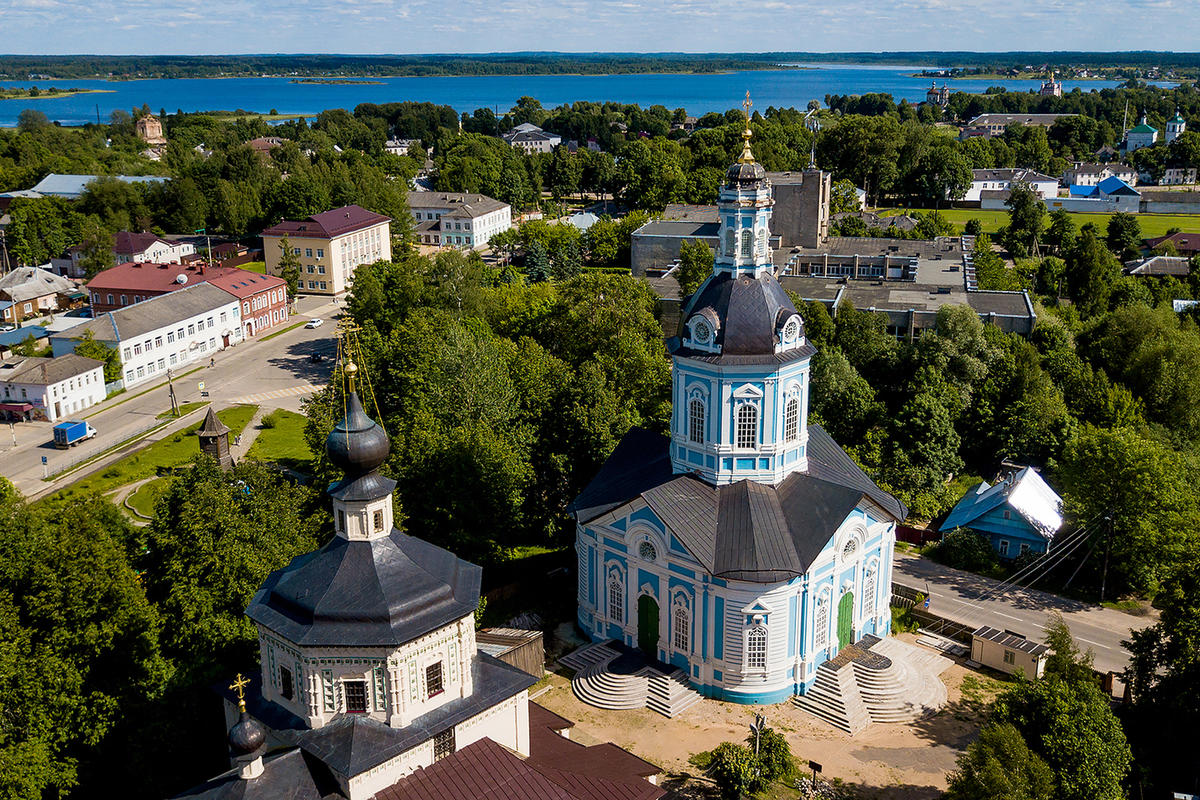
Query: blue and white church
point(747, 548)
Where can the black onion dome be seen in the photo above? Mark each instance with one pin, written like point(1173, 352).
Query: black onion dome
point(357, 445)
point(745, 172)
point(750, 313)
point(247, 736)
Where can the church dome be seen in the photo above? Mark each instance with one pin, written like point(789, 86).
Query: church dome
point(357, 445)
point(743, 173)
point(247, 736)
point(749, 319)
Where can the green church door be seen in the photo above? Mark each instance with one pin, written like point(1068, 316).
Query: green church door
point(846, 620)
point(648, 626)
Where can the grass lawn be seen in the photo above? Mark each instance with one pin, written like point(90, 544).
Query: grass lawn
point(284, 443)
point(255, 266)
point(1152, 224)
point(184, 409)
point(147, 495)
point(170, 452)
point(291, 327)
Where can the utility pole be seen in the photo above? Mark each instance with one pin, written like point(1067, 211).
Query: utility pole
point(171, 390)
point(1108, 520)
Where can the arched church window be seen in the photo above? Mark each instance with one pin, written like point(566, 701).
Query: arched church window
point(747, 425)
point(616, 597)
point(791, 419)
point(756, 648)
point(730, 242)
point(869, 592)
point(850, 548)
point(821, 624)
point(747, 242)
point(681, 637)
point(647, 552)
point(696, 420)
point(762, 240)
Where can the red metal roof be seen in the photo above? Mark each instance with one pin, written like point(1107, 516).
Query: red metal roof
point(134, 243)
point(148, 278)
point(328, 224)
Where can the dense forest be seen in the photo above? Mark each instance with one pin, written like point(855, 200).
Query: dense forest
point(19, 67)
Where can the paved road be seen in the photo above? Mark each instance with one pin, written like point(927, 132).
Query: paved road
point(955, 595)
point(275, 373)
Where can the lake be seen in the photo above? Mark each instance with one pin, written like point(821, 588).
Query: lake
point(696, 93)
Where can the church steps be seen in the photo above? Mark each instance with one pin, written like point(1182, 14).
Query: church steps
point(589, 655)
point(598, 687)
point(670, 694)
point(835, 698)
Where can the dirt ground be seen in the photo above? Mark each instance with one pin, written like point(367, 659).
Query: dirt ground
point(887, 761)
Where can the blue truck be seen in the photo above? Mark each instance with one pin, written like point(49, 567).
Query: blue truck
point(70, 433)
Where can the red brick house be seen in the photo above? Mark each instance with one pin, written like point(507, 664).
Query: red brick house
point(264, 297)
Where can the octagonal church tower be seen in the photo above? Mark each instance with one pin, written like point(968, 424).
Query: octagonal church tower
point(745, 548)
point(368, 655)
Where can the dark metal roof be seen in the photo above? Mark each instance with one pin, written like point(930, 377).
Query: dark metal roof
point(750, 313)
point(746, 530)
point(290, 775)
point(212, 425)
point(1012, 641)
point(381, 592)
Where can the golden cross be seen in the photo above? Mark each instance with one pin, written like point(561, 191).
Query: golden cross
point(347, 327)
point(746, 105)
point(239, 685)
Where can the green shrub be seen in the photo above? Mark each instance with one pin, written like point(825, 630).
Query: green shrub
point(965, 549)
point(269, 420)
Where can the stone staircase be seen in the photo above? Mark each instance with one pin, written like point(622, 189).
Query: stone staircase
point(669, 693)
point(876, 681)
point(596, 682)
point(835, 698)
point(589, 655)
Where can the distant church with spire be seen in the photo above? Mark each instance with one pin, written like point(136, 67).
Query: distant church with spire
point(746, 547)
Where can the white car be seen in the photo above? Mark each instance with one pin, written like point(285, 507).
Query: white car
point(7, 327)
point(314, 323)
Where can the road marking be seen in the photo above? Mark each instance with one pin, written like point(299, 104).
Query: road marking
point(275, 394)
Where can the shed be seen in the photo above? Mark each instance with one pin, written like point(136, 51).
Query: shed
point(1008, 652)
point(521, 649)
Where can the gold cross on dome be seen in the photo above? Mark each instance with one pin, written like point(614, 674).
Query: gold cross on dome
point(347, 327)
point(239, 685)
point(747, 104)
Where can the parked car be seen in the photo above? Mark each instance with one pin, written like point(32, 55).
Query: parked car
point(72, 432)
point(314, 323)
point(316, 358)
point(6, 327)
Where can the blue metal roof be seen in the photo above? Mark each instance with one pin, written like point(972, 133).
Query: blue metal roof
point(1077, 190)
point(10, 338)
point(1114, 185)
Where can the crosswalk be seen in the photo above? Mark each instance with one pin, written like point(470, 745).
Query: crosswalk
point(275, 394)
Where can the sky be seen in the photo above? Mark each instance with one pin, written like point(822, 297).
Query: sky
point(474, 26)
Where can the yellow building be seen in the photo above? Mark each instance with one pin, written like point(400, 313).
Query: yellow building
point(330, 246)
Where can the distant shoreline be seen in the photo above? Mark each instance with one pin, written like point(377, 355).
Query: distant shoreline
point(335, 81)
point(23, 94)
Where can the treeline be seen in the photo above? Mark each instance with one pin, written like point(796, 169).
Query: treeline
point(215, 181)
point(112, 635)
point(17, 67)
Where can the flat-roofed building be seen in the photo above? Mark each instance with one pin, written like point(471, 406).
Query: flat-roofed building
point(1008, 652)
point(330, 246)
point(458, 219)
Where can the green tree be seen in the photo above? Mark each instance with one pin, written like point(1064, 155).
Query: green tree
point(973, 227)
point(1000, 765)
point(735, 770)
point(1142, 484)
point(1062, 231)
point(1026, 216)
point(1065, 659)
point(965, 549)
point(89, 347)
point(775, 760)
point(537, 263)
point(1091, 271)
point(1124, 235)
point(843, 197)
point(695, 265)
point(1072, 728)
point(289, 268)
point(30, 120)
point(842, 401)
point(97, 249)
point(214, 539)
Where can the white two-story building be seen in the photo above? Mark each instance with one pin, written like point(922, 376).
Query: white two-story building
point(167, 332)
point(455, 219)
point(51, 388)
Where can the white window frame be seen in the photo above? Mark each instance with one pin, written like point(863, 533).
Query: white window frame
point(757, 645)
point(746, 430)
